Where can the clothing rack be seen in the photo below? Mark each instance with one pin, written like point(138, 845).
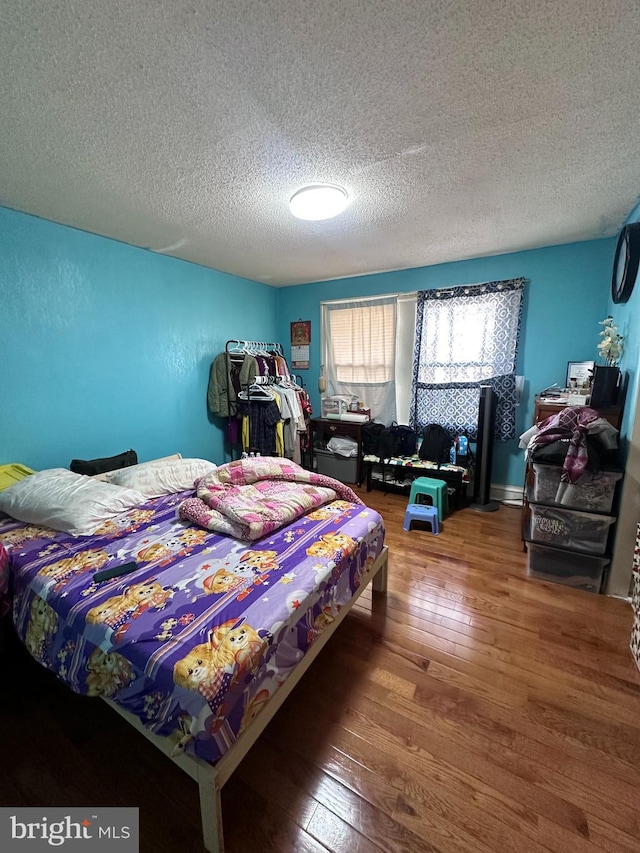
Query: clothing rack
point(240, 347)
point(233, 371)
point(232, 378)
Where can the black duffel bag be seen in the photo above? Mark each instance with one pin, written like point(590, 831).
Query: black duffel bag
point(108, 463)
point(396, 440)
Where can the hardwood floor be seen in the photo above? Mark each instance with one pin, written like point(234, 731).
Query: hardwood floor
point(472, 711)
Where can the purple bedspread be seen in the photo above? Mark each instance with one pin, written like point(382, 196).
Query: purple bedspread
point(202, 634)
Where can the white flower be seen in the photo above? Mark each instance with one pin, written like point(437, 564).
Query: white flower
point(610, 347)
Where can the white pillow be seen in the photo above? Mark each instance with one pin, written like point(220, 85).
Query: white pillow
point(161, 477)
point(65, 501)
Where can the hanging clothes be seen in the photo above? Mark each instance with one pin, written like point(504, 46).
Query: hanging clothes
point(263, 365)
point(291, 416)
point(281, 365)
point(304, 434)
point(264, 421)
point(282, 406)
point(233, 430)
point(226, 378)
point(259, 422)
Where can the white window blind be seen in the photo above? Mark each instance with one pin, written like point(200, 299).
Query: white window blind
point(362, 343)
point(359, 352)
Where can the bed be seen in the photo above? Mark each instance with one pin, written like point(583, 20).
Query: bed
point(199, 645)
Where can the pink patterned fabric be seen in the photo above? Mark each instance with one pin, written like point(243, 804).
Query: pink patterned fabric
point(570, 423)
point(250, 498)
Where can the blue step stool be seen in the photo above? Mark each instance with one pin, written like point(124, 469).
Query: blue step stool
point(422, 512)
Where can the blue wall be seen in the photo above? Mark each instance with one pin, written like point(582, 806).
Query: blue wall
point(104, 346)
point(566, 296)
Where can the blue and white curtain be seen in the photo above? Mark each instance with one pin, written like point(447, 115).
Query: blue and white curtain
point(466, 337)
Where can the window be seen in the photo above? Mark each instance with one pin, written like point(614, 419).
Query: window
point(466, 337)
point(361, 341)
point(359, 346)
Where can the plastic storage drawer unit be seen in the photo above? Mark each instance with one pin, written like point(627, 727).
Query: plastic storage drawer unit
point(339, 467)
point(567, 528)
point(582, 571)
point(592, 492)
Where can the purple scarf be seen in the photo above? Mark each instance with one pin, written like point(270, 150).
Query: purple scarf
point(571, 423)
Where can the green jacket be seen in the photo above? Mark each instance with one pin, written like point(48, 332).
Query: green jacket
point(221, 395)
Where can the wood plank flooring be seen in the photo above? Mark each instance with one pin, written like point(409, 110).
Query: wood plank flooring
point(473, 710)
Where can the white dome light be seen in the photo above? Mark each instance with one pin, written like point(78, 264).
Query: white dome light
point(319, 201)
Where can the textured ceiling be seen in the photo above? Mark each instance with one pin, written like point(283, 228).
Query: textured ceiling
point(459, 128)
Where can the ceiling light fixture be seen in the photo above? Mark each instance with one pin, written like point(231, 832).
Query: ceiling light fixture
point(318, 201)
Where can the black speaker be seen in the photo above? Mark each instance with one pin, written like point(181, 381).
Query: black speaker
point(605, 387)
point(484, 451)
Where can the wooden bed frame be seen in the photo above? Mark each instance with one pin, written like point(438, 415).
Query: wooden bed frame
point(211, 778)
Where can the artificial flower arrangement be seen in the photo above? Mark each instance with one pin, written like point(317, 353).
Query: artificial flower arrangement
point(610, 347)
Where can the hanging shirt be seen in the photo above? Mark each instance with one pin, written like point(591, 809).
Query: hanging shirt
point(290, 409)
point(280, 425)
point(263, 366)
point(283, 368)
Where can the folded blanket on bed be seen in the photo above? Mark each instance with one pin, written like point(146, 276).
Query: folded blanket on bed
point(250, 498)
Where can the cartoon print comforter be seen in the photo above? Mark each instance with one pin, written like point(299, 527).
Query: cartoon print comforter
point(250, 498)
point(197, 640)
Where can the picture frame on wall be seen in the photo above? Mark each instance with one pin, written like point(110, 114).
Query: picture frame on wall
point(579, 374)
point(300, 340)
